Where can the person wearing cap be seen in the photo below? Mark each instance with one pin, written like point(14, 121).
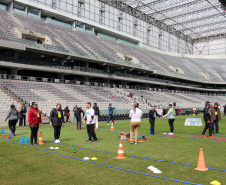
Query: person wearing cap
point(171, 118)
point(34, 120)
point(24, 112)
point(56, 119)
point(13, 118)
point(216, 117)
point(208, 121)
point(152, 116)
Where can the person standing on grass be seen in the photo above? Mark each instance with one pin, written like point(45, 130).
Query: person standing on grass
point(152, 116)
point(20, 116)
point(57, 120)
point(79, 117)
point(135, 115)
point(74, 110)
point(96, 112)
point(66, 114)
point(216, 117)
point(24, 111)
point(208, 121)
point(34, 120)
point(13, 118)
point(171, 118)
point(90, 123)
point(110, 113)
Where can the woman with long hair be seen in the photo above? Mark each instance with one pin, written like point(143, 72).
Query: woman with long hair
point(13, 118)
point(66, 114)
point(135, 116)
point(20, 116)
point(170, 114)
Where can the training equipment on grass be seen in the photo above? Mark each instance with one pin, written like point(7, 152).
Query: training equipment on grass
point(112, 126)
point(21, 140)
point(164, 133)
point(93, 158)
point(215, 182)
point(201, 162)
point(154, 170)
point(73, 150)
point(56, 148)
point(2, 131)
point(140, 139)
point(51, 148)
point(86, 158)
point(40, 140)
point(26, 140)
point(120, 152)
point(8, 137)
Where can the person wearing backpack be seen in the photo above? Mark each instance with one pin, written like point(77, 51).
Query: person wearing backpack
point(171, 118)
point(56, 120)
point(13, 118)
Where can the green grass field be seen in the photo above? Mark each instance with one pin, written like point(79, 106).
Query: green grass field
point(20, 164)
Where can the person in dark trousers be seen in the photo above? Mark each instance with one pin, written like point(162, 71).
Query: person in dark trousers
point(197, 112)
point(216, 117)
point(34, 120)
point(13, 118)
point(74, 110)
point(171, 118)
point(110, 113)
point(96, 112)
point(152, 116)
point(20, 116)
point(56, 120)
point(90, 123)
point(78, 117)
point(225, 110)
point(208, 121)
point(24, 111)
point(66, 113)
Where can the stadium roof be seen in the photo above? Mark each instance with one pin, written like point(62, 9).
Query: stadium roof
point(193, 19)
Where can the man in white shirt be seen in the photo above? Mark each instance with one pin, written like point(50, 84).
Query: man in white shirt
point(90, 123)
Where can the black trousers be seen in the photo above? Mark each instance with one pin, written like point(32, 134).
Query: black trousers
point(24, 118)
point(208, 126)
point(34, 133)
point(79, 121)
point(67, 118)
point(20, 122)
point(91, 132)
point(57, 132)
point(171, 124)
point(12, 125)
point(152, 122)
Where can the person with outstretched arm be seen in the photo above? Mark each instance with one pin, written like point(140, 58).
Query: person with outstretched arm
point(34, 119)
point(208, 121)
point(90, 123)
point(56, 120)
point(152, 116)
point(110, 112)
point(171, 118)
point(78, 117)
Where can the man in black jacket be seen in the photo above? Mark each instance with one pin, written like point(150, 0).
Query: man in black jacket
point(24, 111)
point(152, 116)
point(208, 121)
point(78, 112)
point(56, 120)
point(96, 112)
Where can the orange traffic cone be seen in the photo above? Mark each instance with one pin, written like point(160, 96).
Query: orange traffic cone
point(201, 162)
point(120, 152)
point(112, 126)
point(8, 137)
point(40, 141)
point(75, 127)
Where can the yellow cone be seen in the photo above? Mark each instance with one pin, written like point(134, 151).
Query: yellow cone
point(215, 182)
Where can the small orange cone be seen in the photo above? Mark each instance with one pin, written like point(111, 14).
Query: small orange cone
point(120, 152)
point(112, 126)
point(8, 137)
point(75, 127)
point(40, 141)
point(201, 166)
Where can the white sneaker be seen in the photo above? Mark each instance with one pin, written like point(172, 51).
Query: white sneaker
point(56, 141)
point(171, 134)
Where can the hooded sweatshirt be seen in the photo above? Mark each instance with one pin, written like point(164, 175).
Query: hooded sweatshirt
point(12, 114)
point(34, 117)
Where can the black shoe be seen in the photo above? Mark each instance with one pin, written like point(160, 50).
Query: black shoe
point(95, 141)
point(36, 144)
point(32, 144)
point(14, 134)
point(88, 141)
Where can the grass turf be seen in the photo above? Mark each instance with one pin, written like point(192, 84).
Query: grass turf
point(27, 165)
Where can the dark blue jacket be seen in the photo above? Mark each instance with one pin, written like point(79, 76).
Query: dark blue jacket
point(110, 109)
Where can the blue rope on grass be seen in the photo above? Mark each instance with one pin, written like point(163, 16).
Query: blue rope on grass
point(104, 164)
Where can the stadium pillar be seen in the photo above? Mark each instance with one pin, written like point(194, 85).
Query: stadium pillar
point(13, 71)
point(73, 25)
point(10, 6)
point(60, 76)
point(86, 79)
point(124, 82)
point(26, 9)
point(106, 68)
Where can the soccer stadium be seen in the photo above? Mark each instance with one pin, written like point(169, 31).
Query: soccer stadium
point(143, 80)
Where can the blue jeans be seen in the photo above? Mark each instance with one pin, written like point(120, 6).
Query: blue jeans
point(74, 119)
point(110, 118)
point(215, 122)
